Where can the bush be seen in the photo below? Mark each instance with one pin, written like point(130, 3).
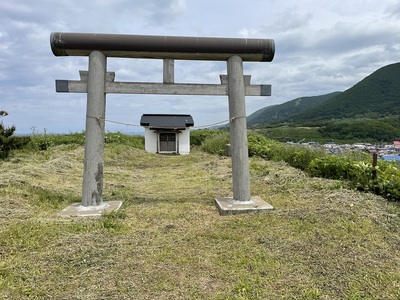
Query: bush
point(332, 167)
point(295, 155)
point(124, 139)
point(215, 144)
point(197, 137)
point(355, 169)
point(387, 183)
point(359, 174)
point(8, 141)
point(44, 141)
point(261, 146)
point(298, 156)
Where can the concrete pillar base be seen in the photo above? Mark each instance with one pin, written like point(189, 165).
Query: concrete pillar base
point(78, 210)
point(230, 206)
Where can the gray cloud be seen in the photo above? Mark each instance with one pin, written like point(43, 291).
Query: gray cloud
point(393, 9)
point(321, 46)
point(290, 20)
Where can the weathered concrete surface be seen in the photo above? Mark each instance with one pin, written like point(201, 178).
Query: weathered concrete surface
point(92, 186)
point(79, 210)
point(238, 130)
point(230, 206)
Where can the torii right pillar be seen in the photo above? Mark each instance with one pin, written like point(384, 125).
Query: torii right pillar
point(242, 201)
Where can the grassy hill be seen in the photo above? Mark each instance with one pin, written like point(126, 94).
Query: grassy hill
point(168, 241)
point(367, 112)
point(377, 95)
point(279, 113)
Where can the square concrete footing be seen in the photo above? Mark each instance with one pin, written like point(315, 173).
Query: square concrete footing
point(78, 210)
point(230, 206)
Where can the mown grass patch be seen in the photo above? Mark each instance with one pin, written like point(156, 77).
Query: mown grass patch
point(322, 241)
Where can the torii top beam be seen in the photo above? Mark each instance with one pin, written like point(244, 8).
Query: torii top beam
point(161, 47)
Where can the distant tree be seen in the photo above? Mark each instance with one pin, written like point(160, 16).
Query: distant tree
point(9, 142)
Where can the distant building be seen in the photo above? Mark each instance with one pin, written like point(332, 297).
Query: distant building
point(166, 133)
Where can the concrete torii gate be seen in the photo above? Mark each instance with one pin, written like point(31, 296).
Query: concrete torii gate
point(97, 82)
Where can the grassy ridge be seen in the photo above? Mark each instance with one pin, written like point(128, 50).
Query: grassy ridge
point(282, 112)
point(168, 241)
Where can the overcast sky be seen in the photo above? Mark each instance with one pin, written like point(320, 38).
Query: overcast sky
point(322, 46)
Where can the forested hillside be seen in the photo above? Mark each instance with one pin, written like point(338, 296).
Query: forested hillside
point(278, 113)
point(377, 95)
point(369, 111)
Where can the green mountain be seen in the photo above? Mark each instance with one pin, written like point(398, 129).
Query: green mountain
point(367, 112)
point(377, 95)
point(279, 113)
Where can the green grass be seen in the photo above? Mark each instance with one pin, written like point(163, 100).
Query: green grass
point(169, 242)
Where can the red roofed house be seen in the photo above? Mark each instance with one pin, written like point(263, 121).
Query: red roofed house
point(396, 145)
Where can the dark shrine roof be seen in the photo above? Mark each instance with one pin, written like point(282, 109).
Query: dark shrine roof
point(164, 121)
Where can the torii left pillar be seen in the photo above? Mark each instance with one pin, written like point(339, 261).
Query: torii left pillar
point(92, 187)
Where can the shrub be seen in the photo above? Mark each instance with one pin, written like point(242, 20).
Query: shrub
point(387, 183)
point(332, 167)
point(261, 146)
point(298, 156)
point(8, 141)
point(359, 174)
point(197, 137)
point(295, 155)
point(121, 138)
point(44, 141)
point(215, 144)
